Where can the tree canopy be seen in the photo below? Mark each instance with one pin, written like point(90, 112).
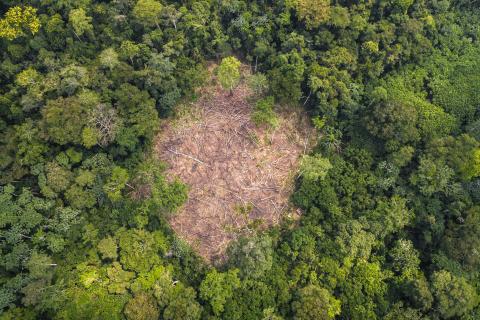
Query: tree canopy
point(384, 217)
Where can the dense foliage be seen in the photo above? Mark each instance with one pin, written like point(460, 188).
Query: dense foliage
point(390, 195)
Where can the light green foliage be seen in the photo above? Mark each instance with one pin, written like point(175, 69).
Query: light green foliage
point(269, 314)
point(27, 77)
point(453, 295)
point(471, 169)
point(140, 249)
point(403, 156)
point(79, 197)
point(258, 83)
point(58, 177)
point(401, 116)
point(119, 279)
point(263, 113)
point(315, 302)
point(74, 156)
point(314, 12)
point(339, 17)
point(89, 137)
point(457, 90)
point(228, 73)
point(129, 49)
point(116, 183)
point(108, 248)
point(148, 12)
point(17, 20)
point(108, 58)
point(87, 275)
point(94, 304)
point(354, 241)
point(371, 46)
point(80, 22)
point(159, 277)
point(314, 167)
point(365, 286)
point(217, 288)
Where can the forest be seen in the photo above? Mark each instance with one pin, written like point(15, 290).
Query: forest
point(388, 190)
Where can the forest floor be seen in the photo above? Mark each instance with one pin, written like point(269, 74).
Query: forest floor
point(240, 176)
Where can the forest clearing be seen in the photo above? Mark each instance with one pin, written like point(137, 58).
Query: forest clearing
point(240, 175)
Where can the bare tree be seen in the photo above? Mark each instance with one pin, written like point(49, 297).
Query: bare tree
point(105, 119)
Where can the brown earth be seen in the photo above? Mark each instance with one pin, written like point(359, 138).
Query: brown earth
point(238, 175)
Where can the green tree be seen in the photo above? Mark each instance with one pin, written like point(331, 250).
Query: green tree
point(129, 49)
point(108, 58)
point(454, 296)
point(183, 305)
point(148, 12)
point(108, 248)
point(142, 307)
point(17, 20)
point(228, 73)
point(314, 302)
point(140, 250)
point(217, 288)
point(286, 76)
point(461, 241)
point(314, 167)
point(258, 83)
point(400, 312)
point(64, 119)
point(119, 279)
point(252, 255)
point(81, 23)
point(314, 12)
point(432, 177)
point(116, 183)
point(405, 259)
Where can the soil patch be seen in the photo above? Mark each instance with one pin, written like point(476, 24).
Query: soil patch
point(239, 175)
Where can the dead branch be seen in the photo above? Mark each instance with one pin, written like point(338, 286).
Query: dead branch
point(188, 156)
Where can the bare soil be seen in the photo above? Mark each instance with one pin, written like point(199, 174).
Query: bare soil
point(239, 175)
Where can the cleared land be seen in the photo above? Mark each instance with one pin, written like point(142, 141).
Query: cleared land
point(238, 174)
